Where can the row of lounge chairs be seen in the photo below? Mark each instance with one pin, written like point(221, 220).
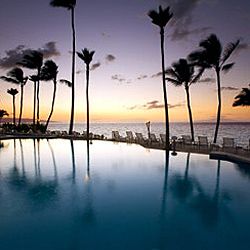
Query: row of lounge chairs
point(185, 140)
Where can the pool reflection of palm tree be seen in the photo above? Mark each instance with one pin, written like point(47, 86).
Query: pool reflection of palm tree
point(73, 160)
point(16, 179)
point(183, 186)
point(162, 217)
point(206, 206)
point(41, 192)
point(53, 159)
point(89, 213)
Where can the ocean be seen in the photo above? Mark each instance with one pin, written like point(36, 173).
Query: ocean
point(239, 131)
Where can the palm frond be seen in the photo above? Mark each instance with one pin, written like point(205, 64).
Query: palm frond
point(12, 91)
point(230, 48)
point(9, 79)
point(162, 17)
point(16, 73)
point(3, 113)
point(198, 76)
point(243, 98)
point(227, 67)
point(69, 4)
point(64, 81)
point(49, 71)
point(171, 72)
point(32, 60)
point(174, 82)
point(86, 55)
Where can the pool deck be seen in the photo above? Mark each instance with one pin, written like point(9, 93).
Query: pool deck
point(232, 154)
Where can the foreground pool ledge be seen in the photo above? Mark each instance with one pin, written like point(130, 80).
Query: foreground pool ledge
point(216, 155)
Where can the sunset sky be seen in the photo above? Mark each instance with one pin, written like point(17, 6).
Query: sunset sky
point(124, 86)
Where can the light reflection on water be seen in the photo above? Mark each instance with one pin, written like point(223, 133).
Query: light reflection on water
point(119, 196)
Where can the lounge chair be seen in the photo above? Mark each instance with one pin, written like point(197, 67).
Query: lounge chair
point(186, 139)
point(163, 139)
point(153, 139)
point(203, 141)
point(130, 137)
point(116, 136)
point(228, 142)
point(139, 138)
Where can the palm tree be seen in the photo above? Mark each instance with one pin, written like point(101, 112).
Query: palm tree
point(49, 72)
point(16, 76)
point(243, 98)
point(3, 113)
point(213, 56)
point(183, 73)
point(13, 92)
point(87, 57)
point(34, 60)
point(34, 79)
point(70, 5)
point(161, 19)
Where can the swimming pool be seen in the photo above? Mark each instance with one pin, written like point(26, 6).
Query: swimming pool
point(127, 197)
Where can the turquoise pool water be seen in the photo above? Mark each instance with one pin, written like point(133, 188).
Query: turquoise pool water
point(127, 197)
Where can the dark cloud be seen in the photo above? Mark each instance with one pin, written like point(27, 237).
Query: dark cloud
point(207, 80)
point(183, 18)
point(155, 105)
point(141, 77)
point(79, 72)
point(104, 34)
point(229, 88)
point(16, 55)
point(118, 78)
point(242, 47)
point(95, 66)
point(110, 58)
point(156, 75)
point(182, 34)
point(49, 50)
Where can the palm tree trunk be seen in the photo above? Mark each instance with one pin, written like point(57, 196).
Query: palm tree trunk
point(52, 106)
point(14, 110)
point(190, 113)
point(38, 100)
point(73, 71)
point(87, 99)
point(219, 105)
point(21, 106)
point(34, 108)
point(164, 89)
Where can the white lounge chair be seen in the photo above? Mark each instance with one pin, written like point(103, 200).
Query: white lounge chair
point(203, 141)
point(228, 142)
point(130, 137)
point(186, 139)
point(163, 139)
point(115, 136)
point(139, 138)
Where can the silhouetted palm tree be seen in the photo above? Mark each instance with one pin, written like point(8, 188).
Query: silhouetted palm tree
point(213, 56)
point(34, 79)
point(16, 76)
point(49, 72)
point(34, 60)
point(70, 5)
point(13, 92)
point(183, 73)
point(87, 57)
point(243, 98)
point(161, 19)
point(3, 113)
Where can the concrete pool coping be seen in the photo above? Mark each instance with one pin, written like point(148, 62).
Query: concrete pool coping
point(235, 155)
